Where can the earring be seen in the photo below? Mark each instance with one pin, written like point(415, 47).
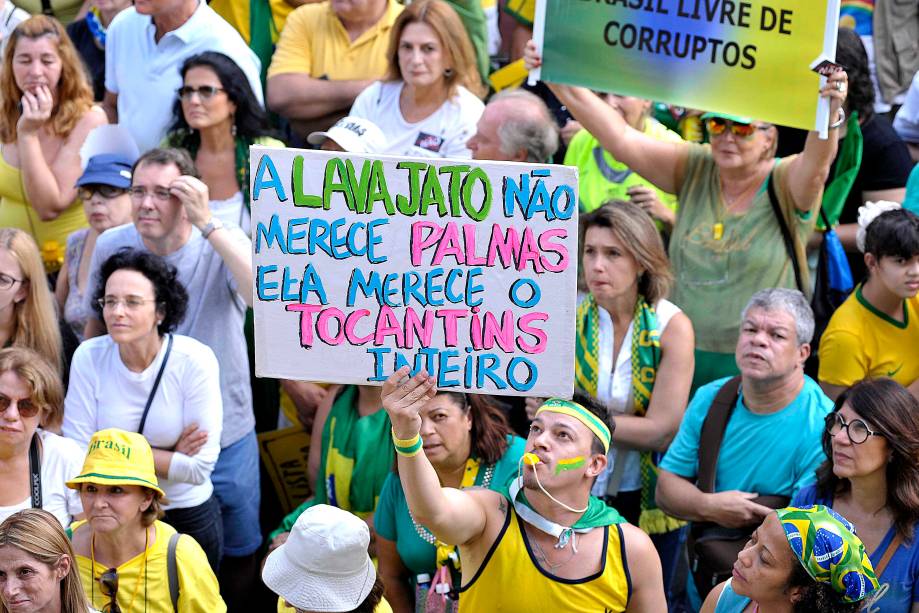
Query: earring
point(233, 126)
point(448, 72)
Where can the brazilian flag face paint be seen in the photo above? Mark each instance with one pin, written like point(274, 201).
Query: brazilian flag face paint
point(569, 464)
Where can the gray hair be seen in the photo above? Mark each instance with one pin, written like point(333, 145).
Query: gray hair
point(792, 302)
point(532, 130)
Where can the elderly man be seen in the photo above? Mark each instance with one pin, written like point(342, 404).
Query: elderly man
point(328, 53)
point(775, 418)
point(515, 126)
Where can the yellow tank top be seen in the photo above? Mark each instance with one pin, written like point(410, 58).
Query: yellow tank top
point(15, 212)
point(511, 580)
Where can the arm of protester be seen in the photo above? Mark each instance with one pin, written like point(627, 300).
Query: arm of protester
point(662, 163)
point(394, 575)
point(307, 397)
point(236, 254)
point(50, 187)
point(808, 172)
point(660, 423)
point(645, 571)
point(678, 497)
point(454, 516)
point(711, 601)
point(62, 286)
point(315, 457)
point(647, 198)
point(110, 106)
point(300, 96)
point(896, 194)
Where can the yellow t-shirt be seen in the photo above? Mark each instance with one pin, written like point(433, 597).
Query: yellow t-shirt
point(510, 564)
point(382, 607)
point(315, 42)
point(524, 11)
point(237, 14)
point(198, 588)
point(861, 342)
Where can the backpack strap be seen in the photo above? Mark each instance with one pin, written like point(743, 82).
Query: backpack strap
point(892, 548)
point(713, 432)
point(172, 570)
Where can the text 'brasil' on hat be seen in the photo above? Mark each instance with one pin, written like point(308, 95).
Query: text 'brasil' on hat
point(118, 457)
point(353, 134)
point(323, 565)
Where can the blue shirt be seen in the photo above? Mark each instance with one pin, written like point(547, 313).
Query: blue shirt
point(899, 587)
point(773, 454)
point(730, 601)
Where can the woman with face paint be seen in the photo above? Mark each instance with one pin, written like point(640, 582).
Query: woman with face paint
point(468, 442)
point(800, 560)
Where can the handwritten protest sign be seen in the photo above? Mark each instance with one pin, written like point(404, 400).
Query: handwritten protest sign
point(745, 57)
point(364, 265)
point(285, 455)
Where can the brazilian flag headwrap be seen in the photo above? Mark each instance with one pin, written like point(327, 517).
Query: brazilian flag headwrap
point(827, 547)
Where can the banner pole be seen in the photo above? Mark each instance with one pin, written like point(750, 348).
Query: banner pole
point(539, 29)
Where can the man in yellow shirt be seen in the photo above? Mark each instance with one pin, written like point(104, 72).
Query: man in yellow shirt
point(328, 53)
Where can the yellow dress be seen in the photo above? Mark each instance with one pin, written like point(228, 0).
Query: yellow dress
point(16, 212)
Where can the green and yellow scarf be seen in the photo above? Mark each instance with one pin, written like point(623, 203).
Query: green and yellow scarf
point(646, 357)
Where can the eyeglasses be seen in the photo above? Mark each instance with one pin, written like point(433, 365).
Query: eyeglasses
point(160, 194)
point(856, 430)
point(131, 303)
point(6, 281)
point(86, 192)
point(26, 407)
point(716, 126)
point(108, 584)
point(205, 91)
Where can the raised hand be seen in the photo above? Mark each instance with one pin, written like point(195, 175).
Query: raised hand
point(403, 398)
point(36, 110)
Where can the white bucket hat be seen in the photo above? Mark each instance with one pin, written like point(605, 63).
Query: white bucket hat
point(353, 134)
point(323, 565)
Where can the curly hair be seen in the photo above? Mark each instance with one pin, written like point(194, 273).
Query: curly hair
point(815, 596)
point(890, 410)
point(74, 95)
point(850, 53)
point(41, 377)
point(170, 295)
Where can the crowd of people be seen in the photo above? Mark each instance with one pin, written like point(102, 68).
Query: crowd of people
point(733, 444)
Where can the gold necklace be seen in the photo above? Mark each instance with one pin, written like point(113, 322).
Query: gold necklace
point(718, 226)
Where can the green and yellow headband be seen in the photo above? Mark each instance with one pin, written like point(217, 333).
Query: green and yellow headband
point(827, 547)
point(573, 409)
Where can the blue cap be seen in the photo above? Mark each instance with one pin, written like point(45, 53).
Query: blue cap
point(107, 169)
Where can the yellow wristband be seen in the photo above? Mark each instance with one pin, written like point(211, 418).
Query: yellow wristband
point(405, 442)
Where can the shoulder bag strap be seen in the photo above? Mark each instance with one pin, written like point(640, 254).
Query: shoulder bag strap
point(892, 547)
point(786, 233)
point(172, 571)
point(156, 384)
point(713, 432)
point(35, 472)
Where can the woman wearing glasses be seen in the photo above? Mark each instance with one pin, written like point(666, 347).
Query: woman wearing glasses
point(34, 462)
point(130, 562)
point(727, 241)
point(216, 119)
point(141, 377)
point(871, 477)
point(103, 189)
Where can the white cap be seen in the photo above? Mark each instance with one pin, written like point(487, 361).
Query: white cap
point(867, 213)
point(323, 565)
point(353, 134)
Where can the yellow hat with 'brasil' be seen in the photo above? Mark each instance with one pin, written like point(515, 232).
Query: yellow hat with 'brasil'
point(118, 457)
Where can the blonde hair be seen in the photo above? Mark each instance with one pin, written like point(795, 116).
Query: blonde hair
point(38, 534)
point(45, 387)
point(74, 95)
point(636, 231)
point(36, 316)
point(459, 55)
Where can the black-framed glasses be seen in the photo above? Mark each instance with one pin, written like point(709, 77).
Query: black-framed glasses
point(108, 585)
point(857, 430)
point(86, 192)
point(26, 407)
point(8, 281)
point(205, 91)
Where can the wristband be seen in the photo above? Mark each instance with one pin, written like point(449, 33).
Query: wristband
point(407, 447)
point(841, 114)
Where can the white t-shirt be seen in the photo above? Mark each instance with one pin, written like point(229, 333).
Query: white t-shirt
point(103, 393)
point(61, 460)
point(442, 135)
point(614, 389)
point(233, 210)
point(144, 72)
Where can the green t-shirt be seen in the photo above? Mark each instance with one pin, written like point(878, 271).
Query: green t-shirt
point(715, 277)
point(602, 178)
point(393, 522)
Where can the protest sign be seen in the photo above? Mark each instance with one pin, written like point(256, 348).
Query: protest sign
point(285, 456)
point(744, 57)
point(365, 264)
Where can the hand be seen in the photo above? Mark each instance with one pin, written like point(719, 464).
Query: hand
point(306, 397)
point(278, 541)
point(36, 110)
point(193, 194)
point(532, 405)
point(531, 57)
point(191, 440)
point(837, 96)
point(647, 199)
point(568, 131)
point(403, 398)
point(735, 509)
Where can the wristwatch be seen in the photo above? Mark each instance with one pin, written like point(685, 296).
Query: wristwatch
point(213, 224)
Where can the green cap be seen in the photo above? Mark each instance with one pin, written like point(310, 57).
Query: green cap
point(728, 116)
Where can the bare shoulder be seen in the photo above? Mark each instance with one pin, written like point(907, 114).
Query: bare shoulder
point(91, 119)
point(679, 331)
point(641, 555)
point(711, 601)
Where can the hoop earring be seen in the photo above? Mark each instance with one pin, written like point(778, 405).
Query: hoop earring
point(448, 72)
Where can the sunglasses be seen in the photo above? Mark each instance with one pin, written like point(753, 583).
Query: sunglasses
point(856, 430)
point(86, 192)
point(205, 91)
point(716, 126)
point(108, 585)
point(26, 407)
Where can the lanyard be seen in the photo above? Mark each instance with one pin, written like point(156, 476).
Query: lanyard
point(35, 472)
point(562, 533)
